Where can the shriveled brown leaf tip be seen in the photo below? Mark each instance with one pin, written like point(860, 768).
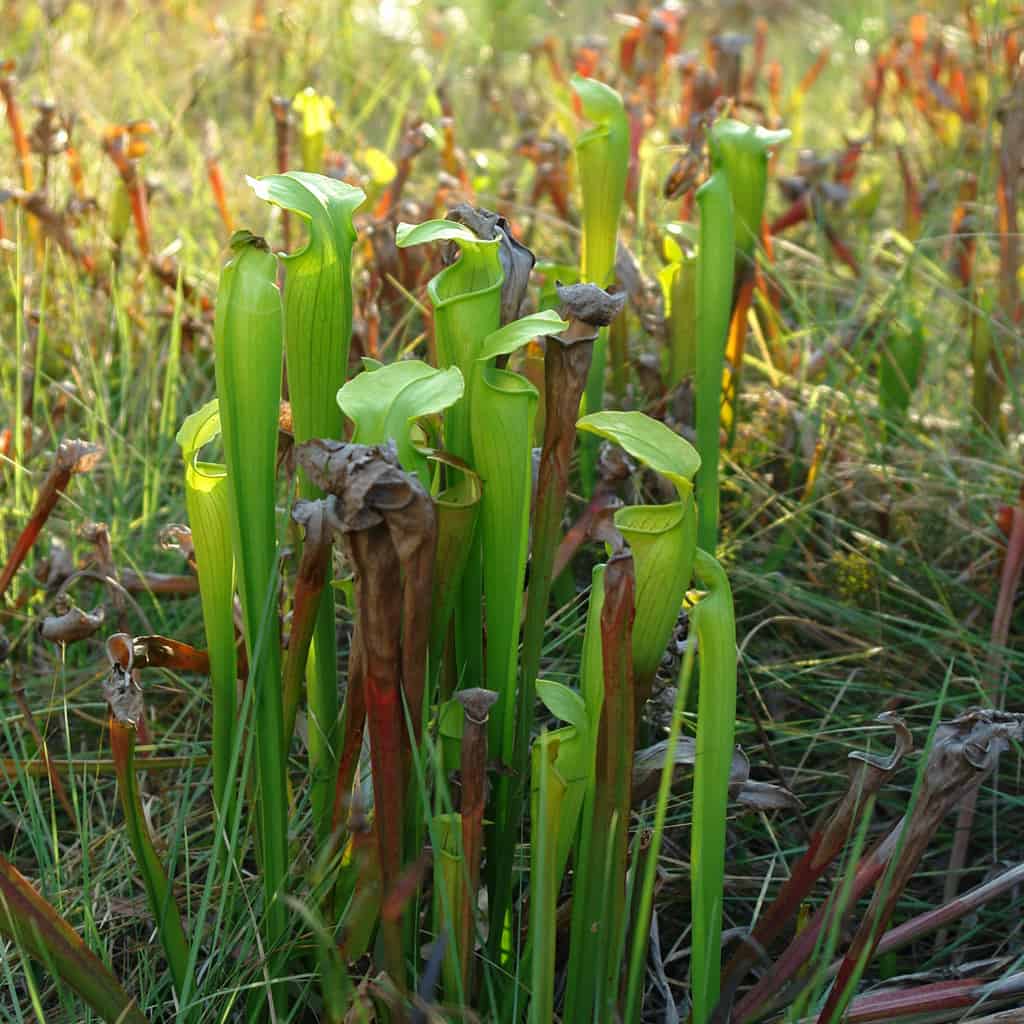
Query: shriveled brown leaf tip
point(122, 692)
point(74, 456)
point(589, 303)
point(979, 736)
point(477, 703)
point(517, 260)
point(904, 744)
point(312, 517)
point(70, 625)
point(366, 480)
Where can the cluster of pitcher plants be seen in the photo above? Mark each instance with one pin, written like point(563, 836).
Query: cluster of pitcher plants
point(425, 518)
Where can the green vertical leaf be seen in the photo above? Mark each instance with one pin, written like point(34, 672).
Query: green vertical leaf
point(714, 621)
point(715, 261)
point(317, 335)
point(602, 156)
point(248, 349)
point(207, 499)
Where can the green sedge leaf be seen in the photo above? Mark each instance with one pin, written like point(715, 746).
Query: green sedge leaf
point(657, 446)
point(516, 334)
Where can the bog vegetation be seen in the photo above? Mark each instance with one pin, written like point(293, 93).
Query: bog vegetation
point(510, 513)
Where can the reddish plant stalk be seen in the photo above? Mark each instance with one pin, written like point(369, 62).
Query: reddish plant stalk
point(314, 566)
point(22, 149)
point(963, 752)
point(476, 704)
point(72, 457)
point(868, 774)
point(800, 951)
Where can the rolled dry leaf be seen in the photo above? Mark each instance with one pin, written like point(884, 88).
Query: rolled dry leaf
point(71, 625)
point(72, 457)
point(122, 692)
point(153, 651)
point(759, 796)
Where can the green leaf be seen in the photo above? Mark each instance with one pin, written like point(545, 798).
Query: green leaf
point(248, 349)
point(564, 704)
point(435, 231)
point(602, 156)
point(503, 412)
point(657, 446)
point(516, 334)
point(663, 539)
point(317, 334)
point(715, 268)
point(742, 151)
point(715, 623)
point(466, 297)
point(207, 499)
point(385, 404)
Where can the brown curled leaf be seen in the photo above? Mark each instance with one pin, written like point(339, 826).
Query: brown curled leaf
point(71, 625)
point(122, 692)
point(516, 259)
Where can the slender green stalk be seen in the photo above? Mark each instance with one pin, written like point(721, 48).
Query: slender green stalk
point(714, 622)
point(248, 347)
point(602, 156)
point(450, 905)
point(207, 498)
point(714, 305)
point(544, 814)
point(317, 332)
point(154, 878)
point(641, 934)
